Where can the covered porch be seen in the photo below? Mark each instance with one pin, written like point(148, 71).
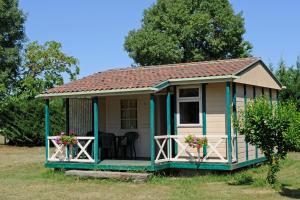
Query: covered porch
point(153, 116)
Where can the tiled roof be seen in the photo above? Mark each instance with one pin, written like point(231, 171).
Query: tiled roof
point(149, 76)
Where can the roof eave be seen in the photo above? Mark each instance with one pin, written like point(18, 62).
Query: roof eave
point(196, 80)
point(146, 90)
point(89, 94)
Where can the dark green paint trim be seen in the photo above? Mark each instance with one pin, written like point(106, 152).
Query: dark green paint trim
point(47, 127)
point(162, 85)
point(97, 166)
point(234, 109)
point(245, 107)
point(67, 105)
point(175, 120)
point(168, 113)
point(156, 167)
point(262, 91)
point(193, 165)
point(228, 122)
point(96, 129)
point(152, 128)
point(247, 163)
point(204, 129)
point(254, 92)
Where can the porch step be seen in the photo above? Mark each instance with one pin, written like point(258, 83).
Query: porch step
point(124, 176)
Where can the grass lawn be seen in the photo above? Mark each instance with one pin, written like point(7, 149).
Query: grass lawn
point(22, 176)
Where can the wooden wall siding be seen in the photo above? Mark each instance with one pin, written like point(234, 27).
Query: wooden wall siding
point(274, 97)
point(81, 116)
point(216, 112)
point(113, 121)
point(258, 76)
point(240, 107)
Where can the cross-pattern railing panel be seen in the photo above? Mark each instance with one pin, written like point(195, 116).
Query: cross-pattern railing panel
point(216, 149)
point(80, 152)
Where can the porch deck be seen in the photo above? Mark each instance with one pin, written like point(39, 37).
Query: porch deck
point(143, 165)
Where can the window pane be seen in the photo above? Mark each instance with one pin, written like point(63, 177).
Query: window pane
point(133, 124)
point(128, 114)
point(124, 104)
point(125, 124)
point(189, 92)
point(123, 114)
point(132, 114)
point(132, 103)
point(189, 112)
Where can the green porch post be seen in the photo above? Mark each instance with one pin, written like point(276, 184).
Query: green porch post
point(175, 120)
point(67, 103)
point(168, 110)
point(228, 122)
point(47, 126)
point(277, 96)
point(262, 91)
point(245, 105)
point(204, 130)
point(152, 129)
point(235, 118)
point(96, 128)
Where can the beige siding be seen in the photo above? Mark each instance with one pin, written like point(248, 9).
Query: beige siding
point(216, 112)
point(240, 105)
point(274, 96)
point(216, 109)
point(113, 121)
point(258, 91)
point(258, 76)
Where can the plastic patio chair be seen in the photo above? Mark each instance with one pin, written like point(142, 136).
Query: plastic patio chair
point(128, 142)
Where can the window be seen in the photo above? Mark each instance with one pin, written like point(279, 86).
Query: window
point(128, 114)
point(189, 101)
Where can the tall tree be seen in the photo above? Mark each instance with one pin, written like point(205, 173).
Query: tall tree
point(188, 30)
point(11, 38)
point(290, 78)
point(43, 67)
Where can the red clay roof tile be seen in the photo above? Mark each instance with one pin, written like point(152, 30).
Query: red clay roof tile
point(149, 76)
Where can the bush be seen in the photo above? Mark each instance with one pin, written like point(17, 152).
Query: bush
point(273, 129)
point(23, 124)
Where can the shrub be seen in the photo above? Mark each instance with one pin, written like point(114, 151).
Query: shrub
point(273, 129)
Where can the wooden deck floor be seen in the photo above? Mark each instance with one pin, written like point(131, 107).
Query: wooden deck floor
point(126, 162)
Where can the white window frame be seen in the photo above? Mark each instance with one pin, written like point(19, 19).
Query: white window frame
point(188, 99)
point(129, 99)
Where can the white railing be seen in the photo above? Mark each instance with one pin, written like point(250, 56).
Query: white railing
point(216, 149)
point(75, 153)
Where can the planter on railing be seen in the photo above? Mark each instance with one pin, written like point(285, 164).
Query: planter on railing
point(64, 149)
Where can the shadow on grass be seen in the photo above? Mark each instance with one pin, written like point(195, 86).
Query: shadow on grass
point(291, 193)
point(243, 179)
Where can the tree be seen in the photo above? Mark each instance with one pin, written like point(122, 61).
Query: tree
point(44, 66)
point(273, 129)
point(11, 38)
point(290, 78)
point(187, 30)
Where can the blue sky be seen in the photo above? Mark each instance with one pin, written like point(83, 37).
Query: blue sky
point(93, 31)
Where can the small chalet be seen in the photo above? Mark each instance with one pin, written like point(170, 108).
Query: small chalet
point(158, 117)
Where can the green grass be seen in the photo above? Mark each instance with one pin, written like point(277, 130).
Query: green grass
point(22, 176)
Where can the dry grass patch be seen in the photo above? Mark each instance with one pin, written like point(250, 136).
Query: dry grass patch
point(23, 176)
